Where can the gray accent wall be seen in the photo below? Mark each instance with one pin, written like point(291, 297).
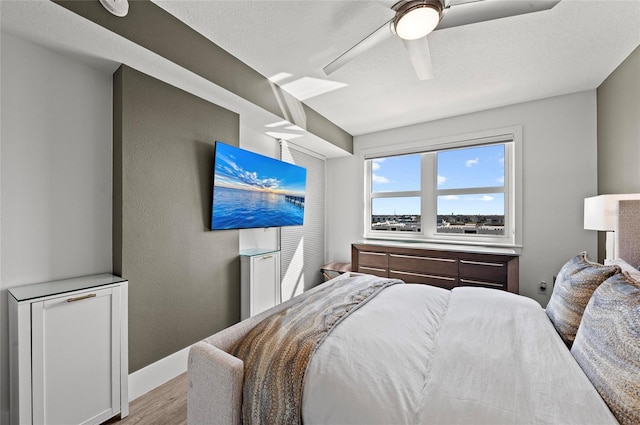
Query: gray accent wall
point(619, 132)
point(619, 129)
point(183, 278)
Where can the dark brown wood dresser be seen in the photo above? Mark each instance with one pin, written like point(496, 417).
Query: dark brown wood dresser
point(438, 267)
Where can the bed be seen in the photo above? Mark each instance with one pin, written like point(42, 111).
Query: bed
point(380, 351)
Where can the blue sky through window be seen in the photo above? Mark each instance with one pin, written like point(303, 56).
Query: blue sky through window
point(396, 206)
point(471, 167)
point(456, 169)
point(395, 173)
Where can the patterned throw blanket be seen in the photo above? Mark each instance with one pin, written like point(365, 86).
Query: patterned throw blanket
point(277, 351)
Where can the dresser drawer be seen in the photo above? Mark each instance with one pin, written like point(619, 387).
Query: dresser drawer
point(378, 260)
point(484, 271)
point(424, 265)
point(447, 282)
point(483, 284)
point(374, 271)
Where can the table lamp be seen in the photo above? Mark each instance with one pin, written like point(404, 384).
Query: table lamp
point(601, 213)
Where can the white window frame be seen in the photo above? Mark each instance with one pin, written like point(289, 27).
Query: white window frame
point(511, 137)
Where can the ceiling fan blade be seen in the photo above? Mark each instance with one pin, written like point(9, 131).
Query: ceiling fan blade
point(457, 2)
point(487, 10)
point(373, 39)
point(420, 57)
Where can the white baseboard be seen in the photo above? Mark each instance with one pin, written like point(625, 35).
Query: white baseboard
point(146, 379)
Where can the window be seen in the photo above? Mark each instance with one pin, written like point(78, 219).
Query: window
point(462, 191)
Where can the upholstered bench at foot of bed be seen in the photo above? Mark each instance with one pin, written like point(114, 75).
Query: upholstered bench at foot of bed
point(215, 377)
point(215, 386)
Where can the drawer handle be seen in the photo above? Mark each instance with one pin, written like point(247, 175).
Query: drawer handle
point(480, 263)
point(477, 282)
point(413, 257)
point(423, 275)
point(372, 253)
point(266, 257)
point(372, 268)
point(80, 298)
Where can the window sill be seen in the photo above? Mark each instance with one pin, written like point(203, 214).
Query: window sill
point(460, 246)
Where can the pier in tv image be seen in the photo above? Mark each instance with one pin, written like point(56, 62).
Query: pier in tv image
point(252, 190)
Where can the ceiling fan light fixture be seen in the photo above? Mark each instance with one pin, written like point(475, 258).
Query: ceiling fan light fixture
point(417, 19)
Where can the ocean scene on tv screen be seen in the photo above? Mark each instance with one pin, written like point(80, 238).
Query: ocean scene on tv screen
point(252, 190)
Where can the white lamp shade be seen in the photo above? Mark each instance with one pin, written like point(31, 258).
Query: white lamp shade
point(601, 212)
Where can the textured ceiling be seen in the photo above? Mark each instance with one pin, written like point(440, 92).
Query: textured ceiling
point(570, 48)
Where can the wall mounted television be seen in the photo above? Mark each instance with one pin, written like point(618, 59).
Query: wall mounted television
point(254, 191)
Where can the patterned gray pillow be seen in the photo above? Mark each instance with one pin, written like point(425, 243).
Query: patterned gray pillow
point(575, 284)
point(607, 346)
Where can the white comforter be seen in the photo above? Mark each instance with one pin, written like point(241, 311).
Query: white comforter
point(417, 354)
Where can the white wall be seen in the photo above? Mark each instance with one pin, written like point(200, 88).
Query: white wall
point(559, 171)
point(55, 173)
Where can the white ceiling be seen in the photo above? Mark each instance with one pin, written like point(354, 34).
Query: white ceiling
point(570, 48)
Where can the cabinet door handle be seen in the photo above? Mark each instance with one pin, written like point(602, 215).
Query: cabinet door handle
point(80, 298)
point(266, 257)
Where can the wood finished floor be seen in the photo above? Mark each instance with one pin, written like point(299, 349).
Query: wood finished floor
point(165, 405)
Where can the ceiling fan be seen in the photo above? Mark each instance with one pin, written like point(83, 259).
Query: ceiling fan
point(414, 19)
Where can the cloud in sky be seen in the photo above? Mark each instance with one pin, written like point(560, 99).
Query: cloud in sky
point(441, 179)
point(375, 166)
point(472, 162)
point(450, 197)
point(230, 174)
point(484, 198)
point(379, 179)
point(244, 170)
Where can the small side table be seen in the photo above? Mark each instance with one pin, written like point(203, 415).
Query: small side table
point(334, 267)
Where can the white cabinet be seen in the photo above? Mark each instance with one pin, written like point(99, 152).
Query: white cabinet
point(260, 281)
point(68, 351)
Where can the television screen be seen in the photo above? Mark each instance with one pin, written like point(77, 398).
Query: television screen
point(252, 190)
